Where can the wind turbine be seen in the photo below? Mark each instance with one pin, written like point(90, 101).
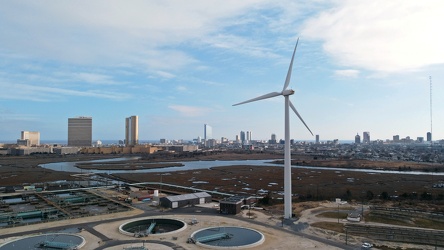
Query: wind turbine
point(287, 154)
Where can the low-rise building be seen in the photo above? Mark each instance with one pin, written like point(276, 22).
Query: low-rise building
point(184, 200)
point(66, 150)
point(138, 149)
point(29, 150)
point(233, 205)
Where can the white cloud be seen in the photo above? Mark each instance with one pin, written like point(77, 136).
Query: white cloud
point(111, 32)
point(190, 111)
point(379, 35)
point(164, 74)
point(240, 45)
point(347, 73)
point(18, 117)
point(336, 100)
point(94, 78)
point(182, 88)
point(42, 94)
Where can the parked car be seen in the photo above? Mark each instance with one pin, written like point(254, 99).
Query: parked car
point(366, 245)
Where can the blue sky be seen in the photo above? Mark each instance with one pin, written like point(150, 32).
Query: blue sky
point(360, 66)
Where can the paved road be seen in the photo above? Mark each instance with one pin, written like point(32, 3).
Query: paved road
point(291, 227)
point(122, 242)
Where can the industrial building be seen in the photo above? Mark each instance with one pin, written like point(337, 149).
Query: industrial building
point(37, 207)
point(233, 205)
point(80, 131)
point(184, 200)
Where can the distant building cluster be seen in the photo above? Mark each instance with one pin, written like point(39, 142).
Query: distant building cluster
point(395, 139)
point(244, 137)
point(80, 141)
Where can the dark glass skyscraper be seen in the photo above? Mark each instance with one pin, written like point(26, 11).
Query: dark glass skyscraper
point(429, 136)
point(80, 131)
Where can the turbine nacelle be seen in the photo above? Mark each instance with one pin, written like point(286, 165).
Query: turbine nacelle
point(287, 92)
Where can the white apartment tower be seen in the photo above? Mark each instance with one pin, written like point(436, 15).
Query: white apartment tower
point(132, 130)
point(366, 137)
point(248, 135)
point(80, 131)
point(208, 133)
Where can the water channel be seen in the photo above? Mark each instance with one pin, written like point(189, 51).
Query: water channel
point(195, 165)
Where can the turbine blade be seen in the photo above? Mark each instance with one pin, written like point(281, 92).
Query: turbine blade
point(287, 80)
point(297, 113)
point(266, 96)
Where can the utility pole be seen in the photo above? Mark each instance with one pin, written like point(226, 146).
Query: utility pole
point(431, 120)
point(338, 213)
point(431, 117)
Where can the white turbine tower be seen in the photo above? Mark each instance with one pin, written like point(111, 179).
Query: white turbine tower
point(287, 154)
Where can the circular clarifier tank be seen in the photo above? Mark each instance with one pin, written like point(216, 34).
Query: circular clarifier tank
point(46, 241)
point(147, 226)
point(228, 237)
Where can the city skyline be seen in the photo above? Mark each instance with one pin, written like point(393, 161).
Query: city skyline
point(179, 73)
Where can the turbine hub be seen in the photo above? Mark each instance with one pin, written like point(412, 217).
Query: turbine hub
point(287, 92)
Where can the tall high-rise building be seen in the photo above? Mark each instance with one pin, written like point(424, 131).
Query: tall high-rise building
point(248, 135)
point(243, 138)
point(396, 138)
point(272, 139)
point(80, 131)
point(132, 130)
point(357, 138)
point(429, 136)
point(32, 136)
point(366, 137)
point(317, 139)
point(208, 133)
